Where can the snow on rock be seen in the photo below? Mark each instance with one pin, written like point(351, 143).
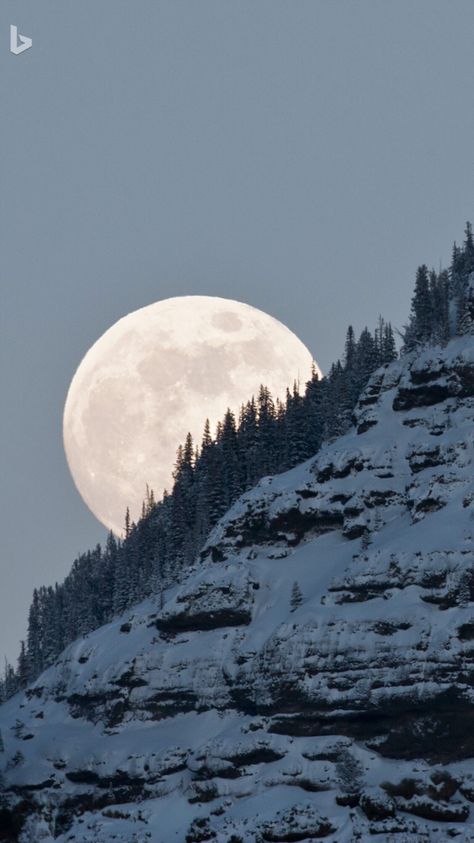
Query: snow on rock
point(214, 598)
point(300, 822)
point(228, 713)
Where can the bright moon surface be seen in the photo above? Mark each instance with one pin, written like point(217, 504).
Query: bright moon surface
point(157, 374)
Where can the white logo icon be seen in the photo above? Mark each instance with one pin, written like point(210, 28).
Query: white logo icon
point(19, 43)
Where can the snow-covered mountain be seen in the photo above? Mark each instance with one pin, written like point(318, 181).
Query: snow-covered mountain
point(249, 709)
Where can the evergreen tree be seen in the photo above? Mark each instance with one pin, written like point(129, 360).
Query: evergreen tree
point(457, 286)
point(10, 683)
point(202, 487)
point(349, 383)
point(464, 588)
point(389, 348)
point(366, 359)
point(22, 672)
point(296, 598)
point(350, 349)
point(333, 399)
point(232, 479)
point(248, 441)
point(266, 432)
point(466, 315)
point(52, 637)
point(468, 250)
point(442, 304)
point(313, 416)
point(295, 426)
point(107, 575)
point(127, 523)
point(35, 636)
point(366, 540)
point(421, 307)
point(183, 503)
point(121, 583)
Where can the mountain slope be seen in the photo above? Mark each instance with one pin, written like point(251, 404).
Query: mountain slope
point(236, 713)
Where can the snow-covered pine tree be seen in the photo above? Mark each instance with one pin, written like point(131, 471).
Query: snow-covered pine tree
point(232, 470)
point(313, 413)
point(465, 317)
point(462, 265)
point(248, 441)
point(35, 635)
point(464, 588)
point(349, 771)
point(350, 349)
point(422, 311)
point(10, 683)
point(265, 431)
point(22, 671)
point(296, 427)
point(202, 483)
point(334, 403)
point(379, 340)
point(51, 601)
point(389, 348)
point(183, 504)
point(281, 442)
point(468, 250)
point(107, 575)
point(441, 308)
point(366, 540)
point(350, 368)
point(366, 358)
point(296, 598)
point(120, 591)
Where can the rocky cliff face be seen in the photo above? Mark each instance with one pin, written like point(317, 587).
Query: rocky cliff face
point(236, 714)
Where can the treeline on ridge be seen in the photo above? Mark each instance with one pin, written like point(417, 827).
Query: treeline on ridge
point(267, 437)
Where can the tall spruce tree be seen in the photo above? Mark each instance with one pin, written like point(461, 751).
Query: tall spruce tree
point(466, 314)
point(422, 311)
point(23, 671)
point(232, 472)
point(313, 416)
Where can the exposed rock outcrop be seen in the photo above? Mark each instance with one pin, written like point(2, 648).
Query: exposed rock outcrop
point(229, 713)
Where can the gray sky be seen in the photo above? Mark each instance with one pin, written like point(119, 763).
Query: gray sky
point(302, 156)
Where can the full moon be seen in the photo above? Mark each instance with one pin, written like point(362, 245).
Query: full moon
point(156, 375)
